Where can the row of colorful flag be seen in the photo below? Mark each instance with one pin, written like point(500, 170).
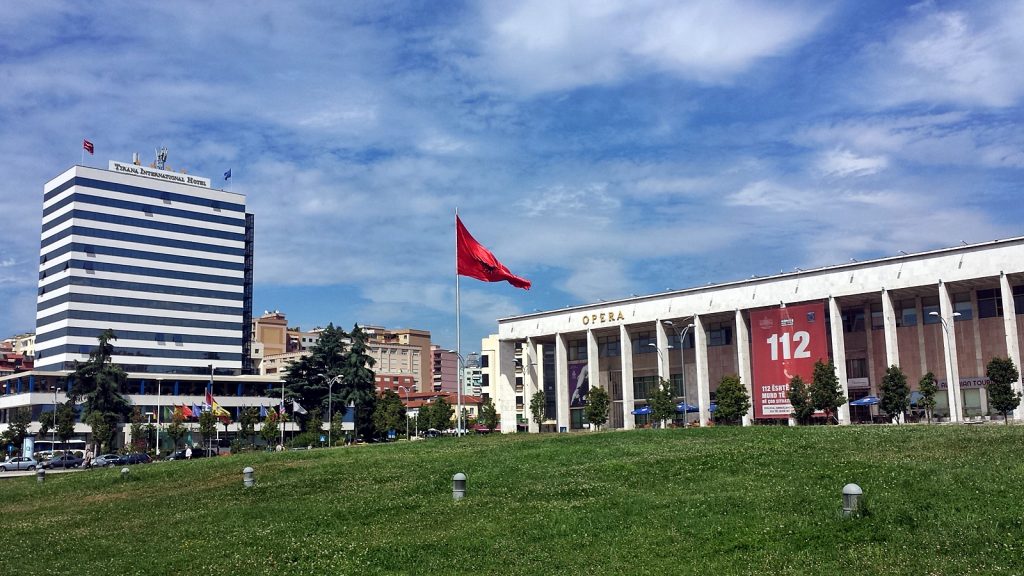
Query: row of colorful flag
point(91, 149)
point(211, 405)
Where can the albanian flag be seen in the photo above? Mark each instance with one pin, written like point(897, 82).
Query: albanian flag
point(477, 262)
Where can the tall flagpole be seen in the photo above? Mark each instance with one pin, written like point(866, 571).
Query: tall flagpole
point(458, 334)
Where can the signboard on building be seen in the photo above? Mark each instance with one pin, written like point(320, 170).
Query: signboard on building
point(785, 342)
point(579, 385)
point(167, 175)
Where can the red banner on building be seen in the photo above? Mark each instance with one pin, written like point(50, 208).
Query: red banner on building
point(784, 342)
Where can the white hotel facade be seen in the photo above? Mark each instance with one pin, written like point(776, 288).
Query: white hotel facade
point(947, 311)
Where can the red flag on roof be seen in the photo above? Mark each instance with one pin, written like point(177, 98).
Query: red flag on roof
point(185, 411)
point(88, 146)
point(477, 262)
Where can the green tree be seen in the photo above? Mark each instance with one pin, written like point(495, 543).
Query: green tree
point(803, 409)
point(895, 399)
point(1002, 374)
point(598, 404)
point(660, 401)
point(358, 386)
point(389, 413)
point(135, 431)
point(103, 427)
point(247, 423)
point(928, 389)
point(824, 391)
point(538, 403)
point(47, 420)
point(732, 400)
point(99, 383)
point(307, 379)
point(176, 430)
point(207, 426)
point(17, 428)
point(337, 427)
point(270, 430)
point(65, 421)
point(437, 414)
point(488, 415)
point(314, 421)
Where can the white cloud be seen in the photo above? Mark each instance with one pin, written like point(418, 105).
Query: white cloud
point(844, 163)
point(555, 45)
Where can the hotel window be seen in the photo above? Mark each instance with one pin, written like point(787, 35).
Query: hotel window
point(719, 334)
point(607, 346)
point(853, 320)
point(578, 349)
point(907, 315)
point(990, 304)
point(962, 304)
point(641, 341)
point(877, 320)
point(929, 304)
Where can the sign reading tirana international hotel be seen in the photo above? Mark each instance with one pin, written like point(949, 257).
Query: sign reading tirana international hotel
point(167, 175)
point(785, 342)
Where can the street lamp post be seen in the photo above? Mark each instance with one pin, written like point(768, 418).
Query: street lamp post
point(951, 390)
point(330, 406)
point(682, 366)
point(458, 385)
point(407, 410)
point(159, 384)
point(669, 370)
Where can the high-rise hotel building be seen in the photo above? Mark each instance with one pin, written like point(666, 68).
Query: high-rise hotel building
point(159, 257)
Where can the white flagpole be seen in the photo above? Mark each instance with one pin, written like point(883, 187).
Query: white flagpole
point(458, 335)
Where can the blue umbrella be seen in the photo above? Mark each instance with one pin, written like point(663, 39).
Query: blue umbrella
point(865, 401)
point(642, 410)
point(688, 408)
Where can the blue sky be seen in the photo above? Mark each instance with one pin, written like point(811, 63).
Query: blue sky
point(600, 149)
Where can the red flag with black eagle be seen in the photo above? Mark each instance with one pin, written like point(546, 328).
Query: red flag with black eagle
point(477, 262)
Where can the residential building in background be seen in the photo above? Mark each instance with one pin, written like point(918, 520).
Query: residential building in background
point(159, 257)
point(24, 344)
point(445, 370)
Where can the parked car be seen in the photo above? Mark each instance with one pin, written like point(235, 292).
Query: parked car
point(135, 458)
point(65, 461)
point(19, 463)
point(196, 453)
point(106, 460)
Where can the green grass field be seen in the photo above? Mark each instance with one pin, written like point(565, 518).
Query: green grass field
point(941, 500)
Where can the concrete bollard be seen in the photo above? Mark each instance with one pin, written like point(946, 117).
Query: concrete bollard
point(459, 486)
point(40, 474)
point(124, 473)
point(247, 476)
point(851, 499)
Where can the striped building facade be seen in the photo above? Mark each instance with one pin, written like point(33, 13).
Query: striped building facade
point(158, 257)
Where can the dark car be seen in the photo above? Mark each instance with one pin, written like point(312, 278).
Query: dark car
point(180, 454)
point(65, 461)
point(135, 458)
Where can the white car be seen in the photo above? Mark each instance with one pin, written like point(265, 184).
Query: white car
point(106, 460)
point(19, 463)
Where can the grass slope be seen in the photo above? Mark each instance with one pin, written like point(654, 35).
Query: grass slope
point(942, 500)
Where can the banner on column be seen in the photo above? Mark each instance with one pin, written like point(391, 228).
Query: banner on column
point(579, 385)
point(784, 342)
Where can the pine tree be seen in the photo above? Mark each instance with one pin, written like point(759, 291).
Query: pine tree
point(895, 399)
point(1002, 374)
point(358, 386)
point(928, 389)
point(732, 400)
point(307, 378)
point(801, 402)
point(99, 383)
point(596, 410)
point(824, 391)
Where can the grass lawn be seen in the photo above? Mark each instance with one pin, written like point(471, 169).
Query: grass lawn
point(766, 500)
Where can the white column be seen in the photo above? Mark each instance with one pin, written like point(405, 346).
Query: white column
point(839, 355)
point(593, 361)
point(507, 385)
point(628, 400)
point(743, 362)
point(892, 350)
point(1010, 328)
point(530, 381)
point(662, 343)
point(956, 411)
point(561, 383)
point(700, 346)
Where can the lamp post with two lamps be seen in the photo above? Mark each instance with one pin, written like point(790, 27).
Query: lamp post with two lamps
point(330, 406)
point(951, 387)
point(53, 430)
point(406, 410)
point(682, 363)
point(458, 384)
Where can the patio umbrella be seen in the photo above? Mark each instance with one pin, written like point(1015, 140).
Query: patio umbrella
point(642, 410)
point(865, 401)
point(688, 408)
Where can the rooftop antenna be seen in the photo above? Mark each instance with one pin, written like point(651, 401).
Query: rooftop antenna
point(161, 157)
point(135, 159)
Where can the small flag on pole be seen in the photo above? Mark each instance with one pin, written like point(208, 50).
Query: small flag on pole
point(88, 147)
point(297, 408)
point(227, 175)
point(263, 411)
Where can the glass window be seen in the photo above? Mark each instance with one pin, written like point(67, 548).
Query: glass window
point(853, 320)
point(641, 341)
point(990, 304)
point(962, 304)
point(877, 320)
point(1018, 299)
point(930, 304)
point(607, 346)
point(673, 340)
point(719, 334)
point(856, 368)
point(643, 386)
point(578, 349)
point(907, 313)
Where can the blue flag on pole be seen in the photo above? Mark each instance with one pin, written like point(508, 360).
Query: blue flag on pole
point(263, 411)
point(227, 175)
